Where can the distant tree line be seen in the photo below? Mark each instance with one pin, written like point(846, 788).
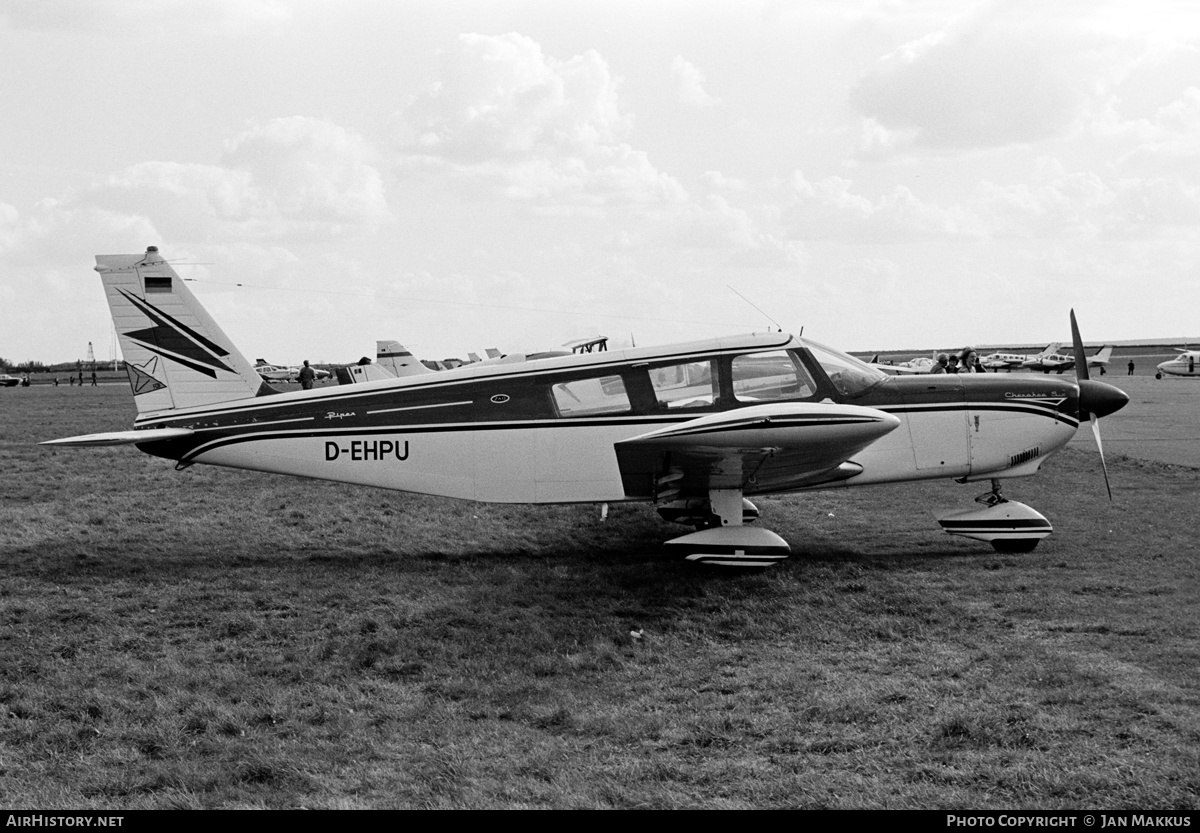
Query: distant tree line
point(34, 366)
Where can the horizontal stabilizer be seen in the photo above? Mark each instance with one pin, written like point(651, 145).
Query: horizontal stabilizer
point(150, 435)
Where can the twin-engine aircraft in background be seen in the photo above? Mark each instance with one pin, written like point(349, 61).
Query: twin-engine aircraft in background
point(1011, 361)
point(693, 428)
point(1060, 362)
point(1187, 363)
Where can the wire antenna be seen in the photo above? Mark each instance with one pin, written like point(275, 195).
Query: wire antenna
point(756, 306)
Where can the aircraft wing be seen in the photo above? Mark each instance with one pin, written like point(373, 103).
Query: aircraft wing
point(761, 448)
point(150, 435)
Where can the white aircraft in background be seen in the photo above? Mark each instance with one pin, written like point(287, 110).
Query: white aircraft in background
point(1060, 362)
point(692, 428)
point(279, 373)
point(1009, 361)
point(394, 360)
point(1187, 363)
point(917, 365)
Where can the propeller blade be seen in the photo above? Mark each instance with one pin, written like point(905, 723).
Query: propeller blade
point(1096, 399)
point(1081, 365)
point(1100, 448)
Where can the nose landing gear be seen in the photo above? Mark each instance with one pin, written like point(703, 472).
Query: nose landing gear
point(1008, 525)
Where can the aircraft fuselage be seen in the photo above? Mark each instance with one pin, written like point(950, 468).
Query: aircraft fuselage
point(545, 431)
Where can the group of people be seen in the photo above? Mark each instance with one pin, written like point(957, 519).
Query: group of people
point(964, 361)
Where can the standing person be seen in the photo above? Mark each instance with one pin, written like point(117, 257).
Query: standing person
point(93, 378)
point(306, 376)
point(940, 365)
point(968, 361)
point(1130, 373)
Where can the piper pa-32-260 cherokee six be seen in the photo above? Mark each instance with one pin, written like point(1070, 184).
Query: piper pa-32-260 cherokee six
point(693, 428)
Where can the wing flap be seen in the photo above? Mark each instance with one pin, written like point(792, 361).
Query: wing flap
point(760, 448)
point(150, 435)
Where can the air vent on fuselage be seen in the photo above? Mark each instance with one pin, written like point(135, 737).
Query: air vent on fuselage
point(1024, 457)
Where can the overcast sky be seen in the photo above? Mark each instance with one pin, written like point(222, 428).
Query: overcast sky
point(461, 175)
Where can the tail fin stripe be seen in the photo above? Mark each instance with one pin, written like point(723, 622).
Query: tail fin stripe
point(160, 317)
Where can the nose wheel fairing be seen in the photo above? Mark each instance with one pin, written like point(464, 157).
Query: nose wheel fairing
point(1008, 525)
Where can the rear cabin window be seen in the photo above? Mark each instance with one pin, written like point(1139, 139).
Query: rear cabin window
point(684, 385)
point(766, 377)
point(591, 397)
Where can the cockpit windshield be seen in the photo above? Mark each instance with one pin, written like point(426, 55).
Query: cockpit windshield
point(850, 376)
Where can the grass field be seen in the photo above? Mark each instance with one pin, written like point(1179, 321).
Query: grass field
point(214, 638)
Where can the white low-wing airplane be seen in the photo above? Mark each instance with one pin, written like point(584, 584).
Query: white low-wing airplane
point(917, 365)
point(1187, 363)
point(1060, 362)
point(693, 428)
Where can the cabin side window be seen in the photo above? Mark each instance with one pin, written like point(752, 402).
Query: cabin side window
point(766, 377)
point(597, 396)
point(684, 385)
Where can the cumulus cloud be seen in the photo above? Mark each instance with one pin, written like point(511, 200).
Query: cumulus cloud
point(536, 128)
point(1083, 204)
point(986, 81)
point(1166, 143)
point(829, 208)
point(715, 223)
point(689, 84)
point(718, 181)
point(291, 176)
point(310, 171)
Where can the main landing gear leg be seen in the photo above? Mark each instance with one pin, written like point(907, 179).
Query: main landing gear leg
point(727, 542)
point(1008, 525)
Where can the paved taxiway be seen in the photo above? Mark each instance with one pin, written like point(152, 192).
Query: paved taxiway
point(1161, 421)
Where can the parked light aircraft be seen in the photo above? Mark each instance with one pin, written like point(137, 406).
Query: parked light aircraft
point(1060, 362)
point(278, 373)
point(693, 428)
point(395, 360)
point(1187, 363)
point(917, 365)
point(1009, 361)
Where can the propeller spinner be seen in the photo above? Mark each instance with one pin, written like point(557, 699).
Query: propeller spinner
point(1096, 399)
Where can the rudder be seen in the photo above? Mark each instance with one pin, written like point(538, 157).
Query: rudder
point(175, 354)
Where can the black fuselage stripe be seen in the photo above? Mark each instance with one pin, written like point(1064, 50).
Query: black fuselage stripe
point(250, 434)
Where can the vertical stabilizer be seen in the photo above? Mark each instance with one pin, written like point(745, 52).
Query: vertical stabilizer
point(393, 357)
point(175, 354)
